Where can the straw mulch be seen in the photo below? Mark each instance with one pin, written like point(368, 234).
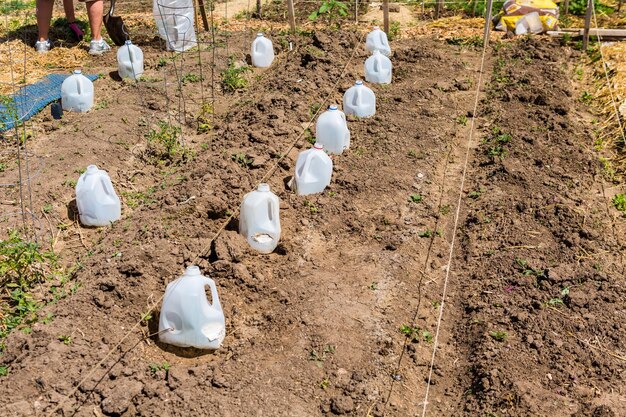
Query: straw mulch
point(20, 65)
point(611, 134)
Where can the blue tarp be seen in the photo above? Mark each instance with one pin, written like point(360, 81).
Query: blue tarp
point(29, 100)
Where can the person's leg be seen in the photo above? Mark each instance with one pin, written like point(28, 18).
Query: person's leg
point(44, 16)
point(68, 6)
point(94, 11)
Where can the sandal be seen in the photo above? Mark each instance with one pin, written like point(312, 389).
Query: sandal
point(78, 34)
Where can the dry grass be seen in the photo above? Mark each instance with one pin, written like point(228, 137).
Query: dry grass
point(611, 136)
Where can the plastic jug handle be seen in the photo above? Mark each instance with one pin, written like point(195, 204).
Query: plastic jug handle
point(377, 64)
point(356, 98)
point(215, 300)
point(107, 187)
point(307, 163)
point(79, 86)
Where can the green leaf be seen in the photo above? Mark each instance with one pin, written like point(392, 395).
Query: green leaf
point(323, 8)
point(313, 15)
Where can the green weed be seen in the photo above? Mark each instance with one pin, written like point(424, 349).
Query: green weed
point(619, 201)
point(233, 77)
point(498, 335)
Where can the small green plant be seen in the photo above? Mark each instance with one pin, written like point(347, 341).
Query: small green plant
point(445, 209)
point(416, 198)
point(472, 41)
point(67, 340)
point(241, 159)
point(47, 208)
point(412, 153)
point(416, 334)
point(314, 109)
point(332, 9)
point(394, 30)
point(204, 124)
point(474, 194)
point(156, 367)
point(426, 233)
point(233, 77)
point(499, 335)
point(619, 202)
point(163, 142)
point(321, 356)
point(323, 385)
point(191, 78)
point(462, 120)
point(586, 97)
point(4, 370)
point(373, 286)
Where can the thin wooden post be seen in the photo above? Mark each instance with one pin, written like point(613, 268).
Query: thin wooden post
point(487, 33)
point(205, 21)
point(292, 16)
point(566, 7)
point(587, 24)
point(356, 11)
point(386, 16)
point(438, 8)
point(258, 8)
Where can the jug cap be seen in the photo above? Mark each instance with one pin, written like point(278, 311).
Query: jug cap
point(128, 42)
point(192, 270)
point(263, 187)
point(375, 27)
point(258, 35)
point(92, 169)
point(318, 146)
point(358, 82)
point(332, 107)
point(77, 71)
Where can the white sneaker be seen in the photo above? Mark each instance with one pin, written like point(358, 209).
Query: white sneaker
point(98, 47)
point(43, 46)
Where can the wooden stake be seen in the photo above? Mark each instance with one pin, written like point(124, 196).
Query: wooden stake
point(356, 11)
point(566, 7)
point(487, 33)
point(587, 24)
point(386, 16)
point(438, 8)
point(292, 16)
point(205, 21)
point(258, 8)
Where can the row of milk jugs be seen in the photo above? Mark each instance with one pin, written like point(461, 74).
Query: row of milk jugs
point(187, 318)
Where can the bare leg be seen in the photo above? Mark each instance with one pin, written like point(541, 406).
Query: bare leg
point(94, 11)
point(44, 15)
point(68, 6)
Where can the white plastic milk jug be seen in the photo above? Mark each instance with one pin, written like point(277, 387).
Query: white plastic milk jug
point(359, 101)
point(175, 23)
point(259, 219)
point(77, 93)
point(98, 205)
point(262, 51)
point(377, 40)
point(313, 170)
point(129, 61)
point(378, 69)
point(187, 313)
point(331, 130)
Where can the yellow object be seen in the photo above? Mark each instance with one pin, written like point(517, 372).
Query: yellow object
point(513, 10)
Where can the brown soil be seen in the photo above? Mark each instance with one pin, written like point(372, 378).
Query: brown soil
point(314, 328)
